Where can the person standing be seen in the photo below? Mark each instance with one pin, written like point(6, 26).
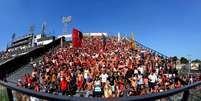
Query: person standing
point(103, 77)
point(97, 88)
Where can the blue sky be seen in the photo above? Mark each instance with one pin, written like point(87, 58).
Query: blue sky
point(172, 27)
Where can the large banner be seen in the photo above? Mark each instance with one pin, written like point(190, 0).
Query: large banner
point(77, 38)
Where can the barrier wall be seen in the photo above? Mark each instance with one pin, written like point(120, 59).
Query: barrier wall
point(180, 94)
point(18, 61)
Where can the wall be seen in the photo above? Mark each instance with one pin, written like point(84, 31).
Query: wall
point(18, 61)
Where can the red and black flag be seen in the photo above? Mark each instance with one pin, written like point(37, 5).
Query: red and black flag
point(77, 37)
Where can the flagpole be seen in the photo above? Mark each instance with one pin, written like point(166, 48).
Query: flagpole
point(133, 41)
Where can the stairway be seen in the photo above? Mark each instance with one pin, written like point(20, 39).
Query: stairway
point(18, 74)
point(14, 77)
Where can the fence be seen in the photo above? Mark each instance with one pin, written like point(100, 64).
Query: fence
point(171, 95)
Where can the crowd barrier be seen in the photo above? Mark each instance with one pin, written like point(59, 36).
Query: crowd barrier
point(183, 94)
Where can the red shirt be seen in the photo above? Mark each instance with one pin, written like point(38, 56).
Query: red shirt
point(63, 85)
point(121, 85)
point(36, 88)
point(29, 80)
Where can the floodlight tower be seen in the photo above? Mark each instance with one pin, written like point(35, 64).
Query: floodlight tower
point(13, 36)
point(66, 20)
point(43, 28)
point(189, 63)
point(31, 31)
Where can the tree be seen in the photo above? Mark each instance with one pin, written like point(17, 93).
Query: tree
point(183, 60)
point(174, 59)
point(196, 61)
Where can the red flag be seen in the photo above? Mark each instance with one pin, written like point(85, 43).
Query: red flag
point(77, 38)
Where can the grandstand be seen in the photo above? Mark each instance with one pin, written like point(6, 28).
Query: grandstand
point(18, 46)
point(99, 68)
point(23, 44)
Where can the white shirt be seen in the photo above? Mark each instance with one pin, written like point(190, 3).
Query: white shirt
point(86, 72)
point(34, 99)
point(34, 65)
point(135, 71)
point(103, 77)
point(141, 69)
point(153, 78)
point(97, 83)
point(157, 71)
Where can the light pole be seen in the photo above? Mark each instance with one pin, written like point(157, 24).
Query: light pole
point(189, 64)
point(65, 20)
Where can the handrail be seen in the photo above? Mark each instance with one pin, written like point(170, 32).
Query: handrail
point(140, 44)
point(148, 97)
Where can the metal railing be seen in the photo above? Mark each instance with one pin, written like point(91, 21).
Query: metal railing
point(150, 49)
point(149, 97)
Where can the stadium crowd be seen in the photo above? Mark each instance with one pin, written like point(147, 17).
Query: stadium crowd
point(6, 55)
point(102, 69)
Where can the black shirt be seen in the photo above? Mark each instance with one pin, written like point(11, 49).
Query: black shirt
point(111, 80)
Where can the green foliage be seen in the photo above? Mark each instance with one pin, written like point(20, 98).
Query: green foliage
point(3, 94)
point(196, 61)
point(175, 58)
point(183, 60)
